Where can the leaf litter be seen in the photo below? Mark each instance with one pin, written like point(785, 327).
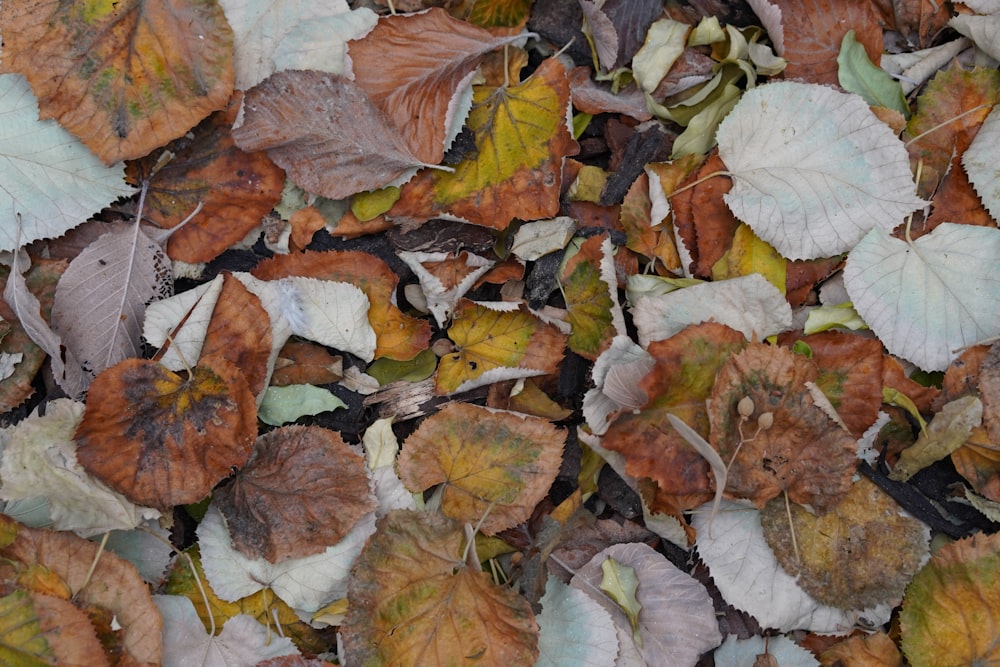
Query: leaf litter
point(468, 328)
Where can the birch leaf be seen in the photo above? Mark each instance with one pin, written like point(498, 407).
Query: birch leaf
point(813, 169)
point(926, 299)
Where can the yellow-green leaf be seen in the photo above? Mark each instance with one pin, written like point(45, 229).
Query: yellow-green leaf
point(21, 640)
point(590, 287)
point(749, 254)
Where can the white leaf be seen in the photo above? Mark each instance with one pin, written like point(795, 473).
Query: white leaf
point(665, 42)
point(242, 642)
point(616, 375)
point(100, 301)
point(984, 31)
point(676, 621)
point(980, 163)
point(321, 43)
point(39, 460)
point(749, 304)
point(813, 169)
point(147, 547)
point(8, 362)
point(194, 308)
point(736, 652)
point(928, 299)
point(533, 240)
point(49, 181)
point(574, 630)
point(305, 584)
point(441, 298)
point(749, 577)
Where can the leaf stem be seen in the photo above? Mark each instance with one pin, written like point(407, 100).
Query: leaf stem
point(945, 123)
point(697, 182)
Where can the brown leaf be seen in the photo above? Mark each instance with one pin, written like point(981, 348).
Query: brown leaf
point(802, 452)
point(235, 188)
point(163, 440)
point(702, 220)
point(302, 362)
point(894, 377)
point(302, 490)
point(124, 77)
point(414, 66)
point(324, 131)
point(69, 632)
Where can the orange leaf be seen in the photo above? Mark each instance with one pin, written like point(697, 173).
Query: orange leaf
point(414, 601)
point(163, 440)
point(302, 490)
point(240, 332)
point(124, 77)
point(302, 362)
point(235, 189)
point(494, 464)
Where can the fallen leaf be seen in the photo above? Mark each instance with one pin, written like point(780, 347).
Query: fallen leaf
point(977, 164)
point(413, 600)
point(858, 74)
point(23, 639)
point(874, 650)
point(445, 278)
point(495, 465)
point(808, 203)
point(950, 429)
point(37, 152)
point(138, 74)
point(590, 287)
point(758, 651)
point(302, 490)
point(161, 439)
point(283, 405)
point(565, 611)
point(302, 362)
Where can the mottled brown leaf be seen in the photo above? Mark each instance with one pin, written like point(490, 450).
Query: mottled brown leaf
point(240, 333)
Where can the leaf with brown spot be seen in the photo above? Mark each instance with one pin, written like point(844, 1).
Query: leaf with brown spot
point(240, 333)
point(161, 439)
point(124, 77)
point(803, 452)
point(236, 189)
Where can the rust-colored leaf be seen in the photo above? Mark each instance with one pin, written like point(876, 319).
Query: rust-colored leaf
point(302, 490)
point(161, 439)
point(703, 221)
point(302, 362)
point(240, 333)
point(124, 77)
point(234, 188)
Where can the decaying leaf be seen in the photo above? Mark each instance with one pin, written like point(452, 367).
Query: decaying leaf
point(948, 431)
point(565, 611)
point(492, 463)
point(414, 600)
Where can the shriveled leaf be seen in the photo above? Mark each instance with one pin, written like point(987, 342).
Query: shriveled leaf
point(665, 42)
point(445, 278)
point(100, 303)
point(874, 649)
point(324, 131)
point(590, 287)
point(948, 431)
point(495, 342)
point(950, 606)
point(161, 439)
point(49, 179)
point(302, 490)
point(242, 641)
point(124, 77)
point(306, 584)
point(862, 553)
point(39, 460)
point(235, 189)
point(21, 638)
point(927, 299)
point(417, 68)
point(521, 140)
point(805, 202)
point(616, 375)
point(494, 464)
point(413, 600)
point(676, 622)
point(575, 629)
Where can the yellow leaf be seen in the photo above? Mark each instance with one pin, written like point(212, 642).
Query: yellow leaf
point(749, 254)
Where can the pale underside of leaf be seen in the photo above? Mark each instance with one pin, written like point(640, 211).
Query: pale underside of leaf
point(813, 169)
point(929, 299)
point(979, 161)
point(574, 629)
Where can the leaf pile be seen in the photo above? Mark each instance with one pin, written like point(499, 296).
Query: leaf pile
point(603, 332)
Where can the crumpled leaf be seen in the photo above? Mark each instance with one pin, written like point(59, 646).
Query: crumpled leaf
point(981, 168)
point(242, 641)
point(590, 286)
point(927, 299)
point(48, 177)
point(303, 489)
point(492, 463)
point(676, 623)
point(665, 42)
point(948, 431)
point(418, 69)
point(306, 584)
point(100, 302)
point(161, 439)
point(497, 341)
point(324, 131)
point(445, 278)
point(135, 75)
point(805, 202)
point(575, 629)
point(616, 375)
point(39, 460)
point(950, 606)
point(413, 600)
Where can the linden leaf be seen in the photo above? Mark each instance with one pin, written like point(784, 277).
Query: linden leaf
point(302, 490)
point(805, 202)
point(575, 629)
point(497, 341)
point(590, 287)
point(981, 168)
point(445, 278)
point(492, 463)
point(928, 298)
point(124, 77)
point(23, 642)
point(164, 440)
point(50, 182)
point(417, 68)
point(324, 131)
point(414, 601)
point(521, 140)
point(860, 554)
point(283, 405)
point(950, 608)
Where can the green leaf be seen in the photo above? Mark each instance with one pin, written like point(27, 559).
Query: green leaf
point(857, 74)
point(282, 405)
point(620, 583)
